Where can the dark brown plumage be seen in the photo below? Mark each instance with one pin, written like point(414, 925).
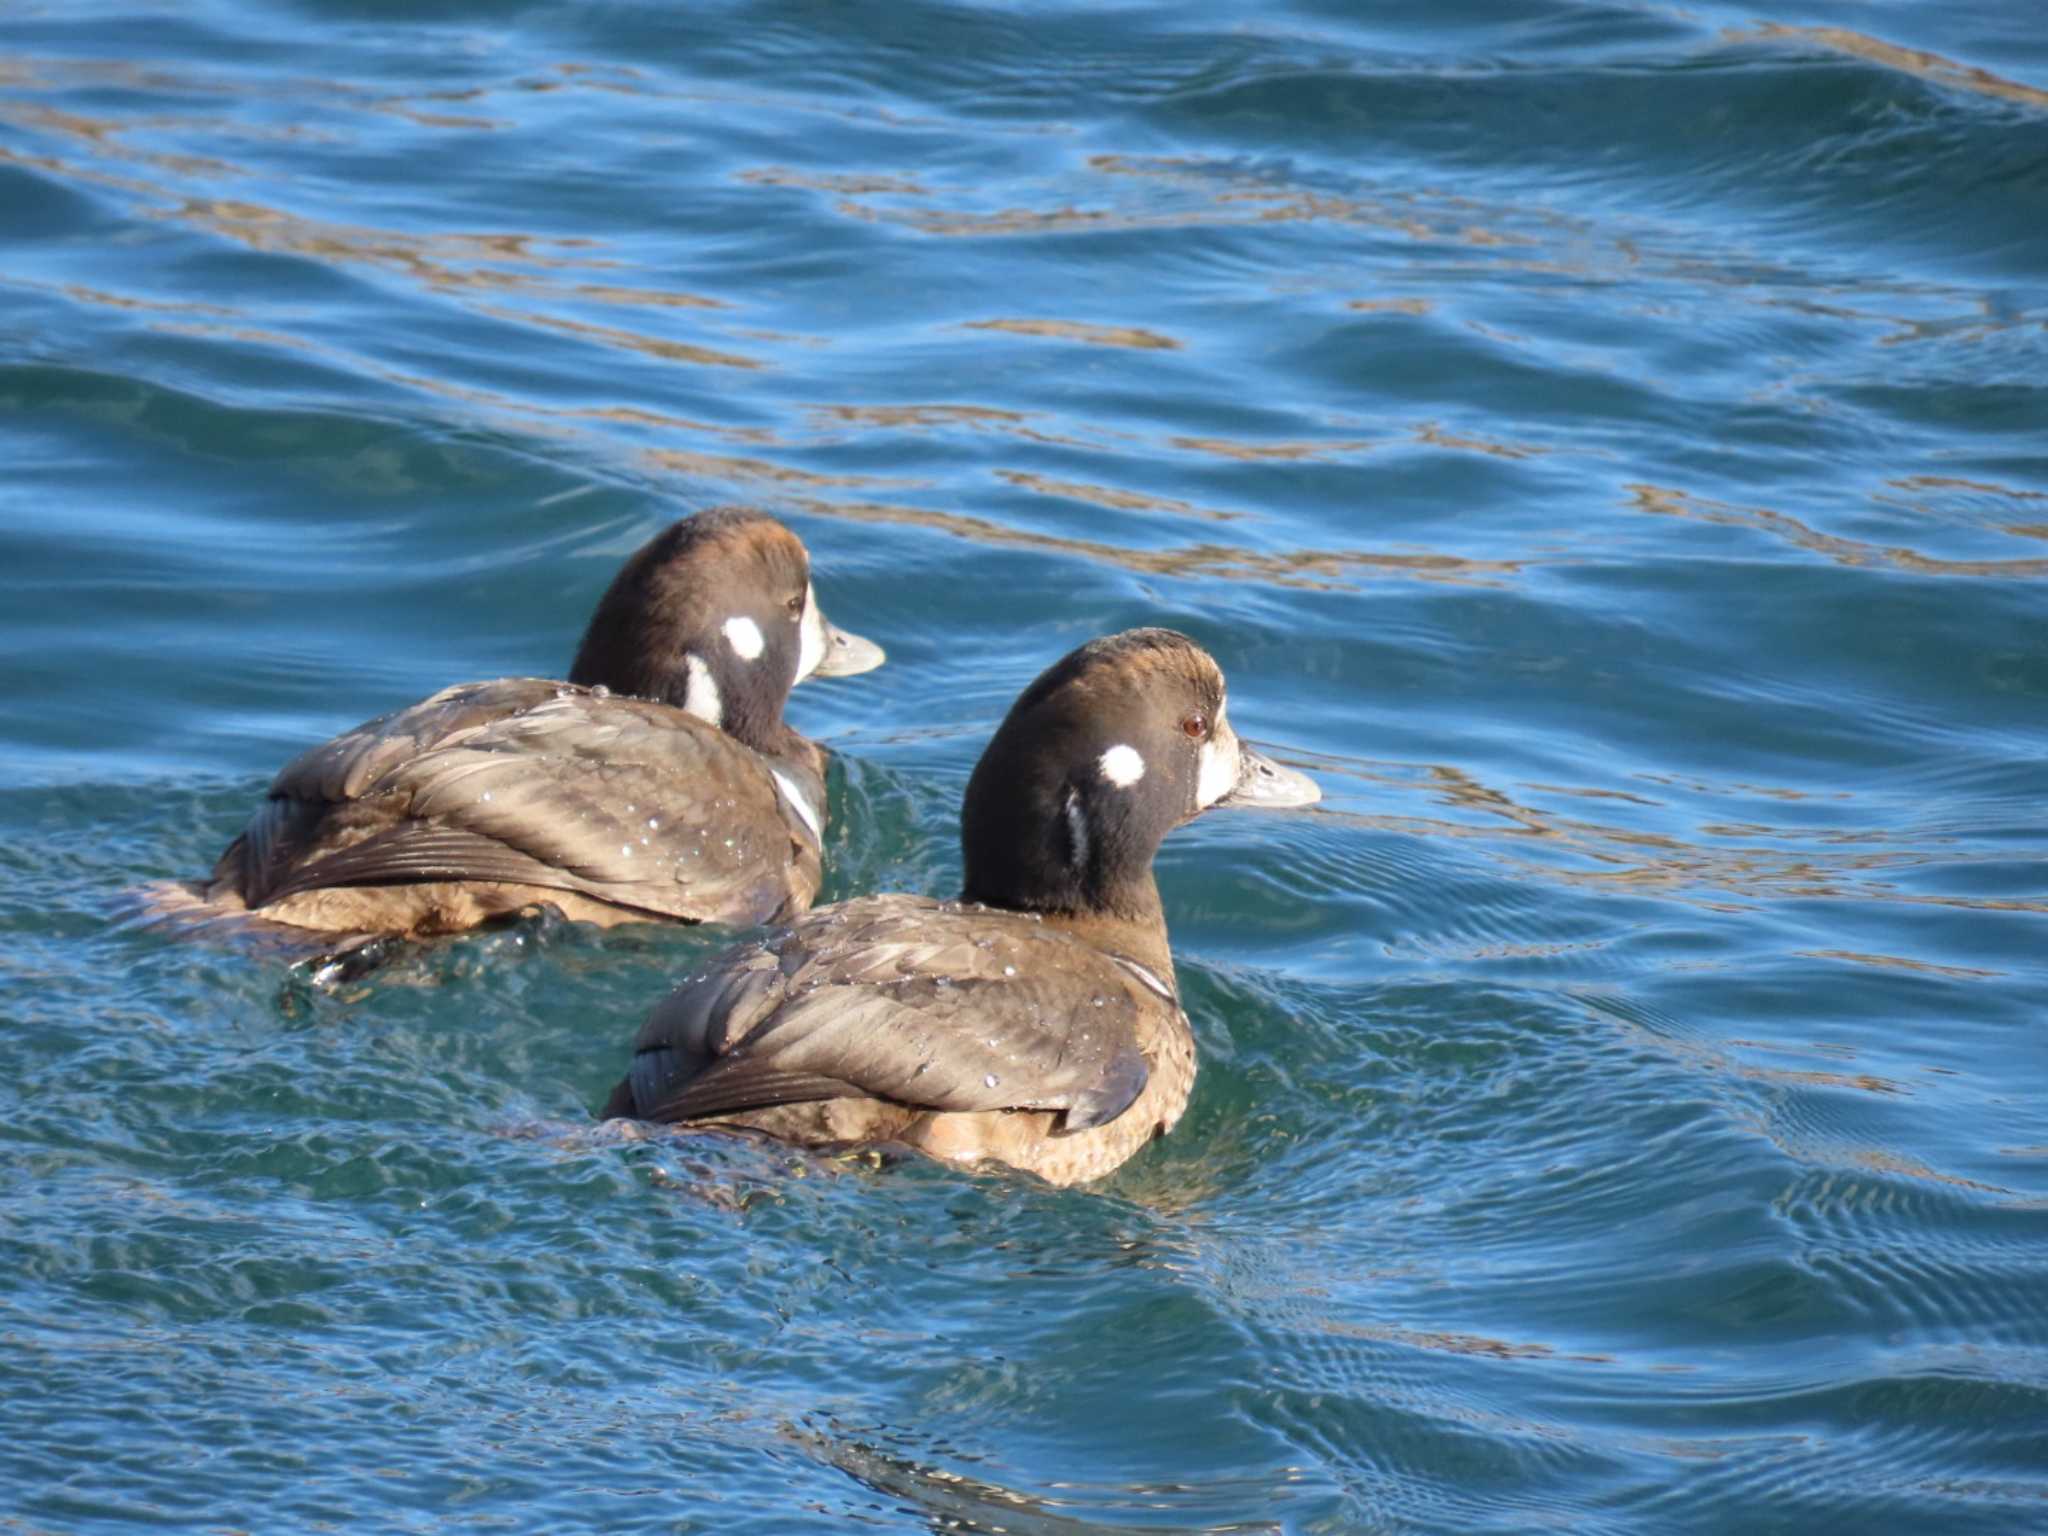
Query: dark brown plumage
point(694, 802)
point(1035, 1023)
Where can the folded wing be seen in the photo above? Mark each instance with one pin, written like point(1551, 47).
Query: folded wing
point(532, 782)
point(903, 999)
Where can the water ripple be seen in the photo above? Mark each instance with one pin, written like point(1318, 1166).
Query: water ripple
point(1601, 443)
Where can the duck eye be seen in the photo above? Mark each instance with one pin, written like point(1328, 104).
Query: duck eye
point(1194, 726)
point(796, 606)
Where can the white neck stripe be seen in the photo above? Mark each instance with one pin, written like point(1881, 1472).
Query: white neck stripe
point(700, 694)
point(798, 803)
point(1077, 832)
point(1145, 974)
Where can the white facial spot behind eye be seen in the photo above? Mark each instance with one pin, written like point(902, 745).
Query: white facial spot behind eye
point(1220, 764)
point(744, 635)
point(1122, 765)
point(798, 803)
point(700, 694)
point(812, 636)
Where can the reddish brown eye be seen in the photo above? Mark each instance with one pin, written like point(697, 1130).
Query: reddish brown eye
point(1195, 726)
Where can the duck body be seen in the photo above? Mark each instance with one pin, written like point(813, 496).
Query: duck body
point(490, 798)
point(966, 1032)
point(1036, 1022)
point(676, 793)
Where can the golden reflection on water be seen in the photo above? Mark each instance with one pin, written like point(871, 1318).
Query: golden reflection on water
point(1821, 863)
point(976, 418)
point(548, 276)
point(1911, 61)
point(1664, 501)
point(65, 171)
point(1952, 482)
point(248, 335)
point(1430, 434)
point(1077, 330)
point(1455, 1343)
point(871, 184)
point(1977, 503)
point(431, 255)
point(1251, 451)
point(103, 136)
point(1882, 1160)
point(79, 293)
point(641, 416)
point(1899, 962)
point(628, 341)
point(1305, 568)
point(1309, 569)
point(1109, 496)
point(1225, 196)
point(901, 416)
point(720, 467)
point(441, 261)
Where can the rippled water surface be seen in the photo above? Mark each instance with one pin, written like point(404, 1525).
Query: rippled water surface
point(1606, 443)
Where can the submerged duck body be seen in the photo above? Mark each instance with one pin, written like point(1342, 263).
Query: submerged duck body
point(1036, 1022)
point(659, 783)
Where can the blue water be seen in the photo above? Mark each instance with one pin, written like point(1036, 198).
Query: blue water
point(1607, 444)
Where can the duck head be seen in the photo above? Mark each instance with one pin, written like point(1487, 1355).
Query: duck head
point(1113, 746)
point(716, 615)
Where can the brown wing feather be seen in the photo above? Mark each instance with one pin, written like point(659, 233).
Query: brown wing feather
point(903, 999)
point(418, 850)
point(270, 847)
point(537, 783)
point(344, 768)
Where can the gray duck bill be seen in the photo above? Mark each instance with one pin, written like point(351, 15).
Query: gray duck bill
point(1266, 784)
point(848, 654)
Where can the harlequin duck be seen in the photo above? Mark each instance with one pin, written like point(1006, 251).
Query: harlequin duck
point(1034, 1022)
point(659, 782)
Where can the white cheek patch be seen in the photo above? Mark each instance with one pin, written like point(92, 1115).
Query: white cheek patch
point(744, 635)
point(1122, 765)
point(700, 694)
point(1220, 766)
point(813, 637)
point(798, 803)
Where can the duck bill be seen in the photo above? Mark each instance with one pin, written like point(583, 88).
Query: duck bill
point(1267, 785)
point(847, 654)
point(829, 651)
